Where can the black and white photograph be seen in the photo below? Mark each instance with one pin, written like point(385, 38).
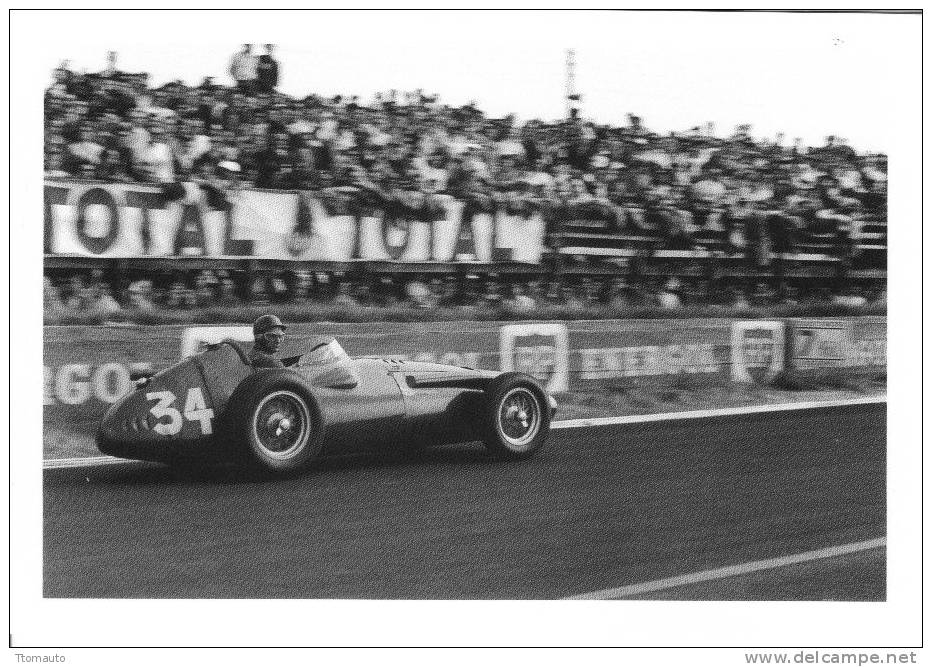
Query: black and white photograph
point(525, 328)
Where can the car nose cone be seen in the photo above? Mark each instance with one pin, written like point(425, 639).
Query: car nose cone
point(126, 426)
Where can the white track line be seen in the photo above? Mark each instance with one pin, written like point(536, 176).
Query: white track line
point(90, 461)
point(717, 412)
point(83, 462)
point(730, 571)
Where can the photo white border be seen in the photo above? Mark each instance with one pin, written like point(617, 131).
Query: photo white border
point(37, 621)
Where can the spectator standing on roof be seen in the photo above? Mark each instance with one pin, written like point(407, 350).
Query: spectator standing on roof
point(243, 69)
point(267, 71)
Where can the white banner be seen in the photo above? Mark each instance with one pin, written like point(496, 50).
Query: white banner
point(118, 220)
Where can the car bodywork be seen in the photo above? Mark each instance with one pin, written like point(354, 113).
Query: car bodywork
point(364, 404)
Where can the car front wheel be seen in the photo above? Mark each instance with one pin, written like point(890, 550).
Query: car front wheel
point(275, 421)
point(515, 416)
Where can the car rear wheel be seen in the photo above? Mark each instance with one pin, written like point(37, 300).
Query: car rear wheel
point(274, 421)
point(515, 416)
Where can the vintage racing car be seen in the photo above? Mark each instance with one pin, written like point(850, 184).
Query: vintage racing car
point(214, 406)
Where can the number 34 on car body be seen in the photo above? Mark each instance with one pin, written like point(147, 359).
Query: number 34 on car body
point(195, 409)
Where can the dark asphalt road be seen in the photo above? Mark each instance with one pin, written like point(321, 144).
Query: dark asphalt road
point(598, 508)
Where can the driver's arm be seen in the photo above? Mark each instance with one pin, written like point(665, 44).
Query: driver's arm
point(263, 360)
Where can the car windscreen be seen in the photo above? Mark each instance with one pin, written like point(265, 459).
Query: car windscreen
point(324, 354)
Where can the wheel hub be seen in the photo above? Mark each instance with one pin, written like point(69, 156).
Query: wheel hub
point(281, 423)
point(519, 417)
point(278, 424)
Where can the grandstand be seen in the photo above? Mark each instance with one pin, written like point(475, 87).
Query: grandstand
point(183, 189)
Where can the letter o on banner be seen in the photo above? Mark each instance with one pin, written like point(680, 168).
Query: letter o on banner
point(111, 381)
point(97, 223)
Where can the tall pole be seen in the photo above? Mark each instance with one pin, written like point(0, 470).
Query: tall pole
point(571, 95)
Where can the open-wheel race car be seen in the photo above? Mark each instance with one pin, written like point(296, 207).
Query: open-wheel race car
point(215, 407)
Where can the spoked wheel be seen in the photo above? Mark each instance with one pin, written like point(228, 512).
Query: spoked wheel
point(516, 417)
point(274, 422)
point(519, 417)
point(281, 424)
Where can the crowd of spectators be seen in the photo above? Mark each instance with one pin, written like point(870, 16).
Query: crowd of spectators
point(95, 294)
point(401, 152)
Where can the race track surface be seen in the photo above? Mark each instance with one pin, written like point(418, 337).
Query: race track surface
point(598, 508)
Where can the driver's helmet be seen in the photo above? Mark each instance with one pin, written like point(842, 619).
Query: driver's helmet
point(267, 323)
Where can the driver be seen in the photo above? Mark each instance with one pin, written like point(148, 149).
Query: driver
point(268, 333)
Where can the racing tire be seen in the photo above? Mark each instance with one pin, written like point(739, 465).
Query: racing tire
point(514, 417)
point(273, 422)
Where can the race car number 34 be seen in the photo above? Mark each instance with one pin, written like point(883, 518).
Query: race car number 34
point(195, 409)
